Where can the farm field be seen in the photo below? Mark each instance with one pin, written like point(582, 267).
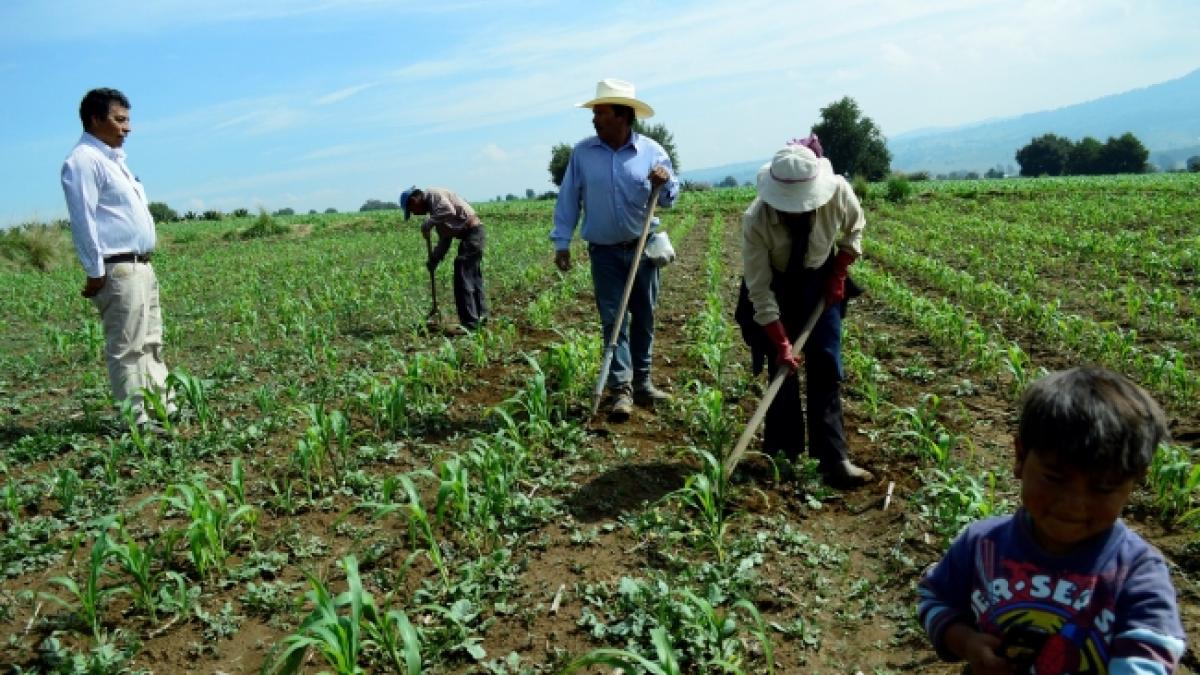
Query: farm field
point(439, 504)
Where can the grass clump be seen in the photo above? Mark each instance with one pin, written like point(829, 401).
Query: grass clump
point(264, 226)
point(37, 246)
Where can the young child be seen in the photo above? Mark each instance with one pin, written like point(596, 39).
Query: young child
point(1062, 586)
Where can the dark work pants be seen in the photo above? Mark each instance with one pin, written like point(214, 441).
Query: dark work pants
point(468, 279)
point(785, 419)
point(798, 291)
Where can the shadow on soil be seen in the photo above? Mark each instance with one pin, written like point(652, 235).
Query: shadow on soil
point(625, 488)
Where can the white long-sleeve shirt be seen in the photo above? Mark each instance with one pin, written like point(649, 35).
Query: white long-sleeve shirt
point(107, 205)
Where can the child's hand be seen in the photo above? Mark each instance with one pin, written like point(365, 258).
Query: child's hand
point(979, 649)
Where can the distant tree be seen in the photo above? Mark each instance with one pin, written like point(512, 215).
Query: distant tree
point(994, 172)
point(1193, 164)
point(548, 194)
point(1085, 159)
point(1046, 155)
point(212, 214)
point(190, 215)
point(728, 182)
point(918, 176)
point(852, 142)
point(240, 213)
point(377, 205)
point(560, 155)
point(529, 193)
point(1124, 154)
point(510, 197)
point(162, 213)
point(285, 211)
point(664, 137)
point(695, 186)
point(331, 210)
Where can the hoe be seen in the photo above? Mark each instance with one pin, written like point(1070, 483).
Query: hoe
point(769, 396)
point(611, 347)
point(433, 321)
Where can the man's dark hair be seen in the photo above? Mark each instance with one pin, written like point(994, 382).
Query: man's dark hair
point(96, 103)
point(1093, 419)
point(624, 111)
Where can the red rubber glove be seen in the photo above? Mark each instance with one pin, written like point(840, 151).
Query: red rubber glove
point(783, 347)
point(835, 288)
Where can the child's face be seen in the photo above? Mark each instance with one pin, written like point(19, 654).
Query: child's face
point(1067, 506)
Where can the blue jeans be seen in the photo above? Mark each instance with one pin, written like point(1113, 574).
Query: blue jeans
point(635, 345)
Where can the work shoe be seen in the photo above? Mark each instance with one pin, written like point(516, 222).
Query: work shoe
point(645, 393)
point(622, 403)
point(847, 475)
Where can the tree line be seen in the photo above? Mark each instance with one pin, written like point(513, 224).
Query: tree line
point(855, 147)
point(1054, 155)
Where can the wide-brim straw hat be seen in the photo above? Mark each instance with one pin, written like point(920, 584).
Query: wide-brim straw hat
point(796, 180)
point(618, 92)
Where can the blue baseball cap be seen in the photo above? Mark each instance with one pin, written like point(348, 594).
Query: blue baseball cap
point(404, 197)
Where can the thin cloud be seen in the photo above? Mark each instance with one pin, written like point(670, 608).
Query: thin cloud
point(263, 121)
point(343, 94)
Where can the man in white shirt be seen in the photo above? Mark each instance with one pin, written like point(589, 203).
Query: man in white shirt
point(114, 237)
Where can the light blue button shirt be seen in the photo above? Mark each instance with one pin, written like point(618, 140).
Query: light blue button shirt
point(107, 205)
point(612, 188)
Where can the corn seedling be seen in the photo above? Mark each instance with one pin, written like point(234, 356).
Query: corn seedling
point(137, 561)
point(213, 528)
point(335, 636)
point(67, 485)
point(706, 493)
point(393, 635)
point(192, 390)
point(418, 521)
point(709, 419)
point(1174, 479)
point(717, 631)
point(665, 664)
point(87, 602)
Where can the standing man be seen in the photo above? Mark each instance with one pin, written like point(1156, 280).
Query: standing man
point(799, 237)
point(453, 218)
point(610, 177)
point(114, 238)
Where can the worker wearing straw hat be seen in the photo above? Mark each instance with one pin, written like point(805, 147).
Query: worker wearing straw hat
point(800, 236)
point(609, 178)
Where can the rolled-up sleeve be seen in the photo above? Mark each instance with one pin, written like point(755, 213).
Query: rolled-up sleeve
point(81, 188)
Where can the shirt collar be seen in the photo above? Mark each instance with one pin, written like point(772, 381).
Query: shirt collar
point(631, 143)
point(116, 154)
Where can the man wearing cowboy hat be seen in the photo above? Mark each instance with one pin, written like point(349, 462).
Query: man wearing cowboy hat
point(609, 177)
point(799, 237)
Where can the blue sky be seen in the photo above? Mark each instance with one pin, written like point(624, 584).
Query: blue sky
point(311, 104)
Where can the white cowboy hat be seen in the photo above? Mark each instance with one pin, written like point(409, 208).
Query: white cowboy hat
point(796, 180)
point(618, 92)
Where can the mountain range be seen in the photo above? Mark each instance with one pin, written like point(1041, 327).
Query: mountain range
point(1163, 116)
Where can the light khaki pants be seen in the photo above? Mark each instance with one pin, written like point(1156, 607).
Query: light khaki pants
point(133, 335)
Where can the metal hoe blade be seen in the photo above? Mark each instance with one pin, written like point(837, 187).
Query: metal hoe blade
point(769, 396)
point(611, 345)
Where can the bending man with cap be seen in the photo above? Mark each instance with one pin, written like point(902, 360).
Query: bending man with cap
point(609, 178)
point(453, 218)
point(114, 236)
point(799, 237)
